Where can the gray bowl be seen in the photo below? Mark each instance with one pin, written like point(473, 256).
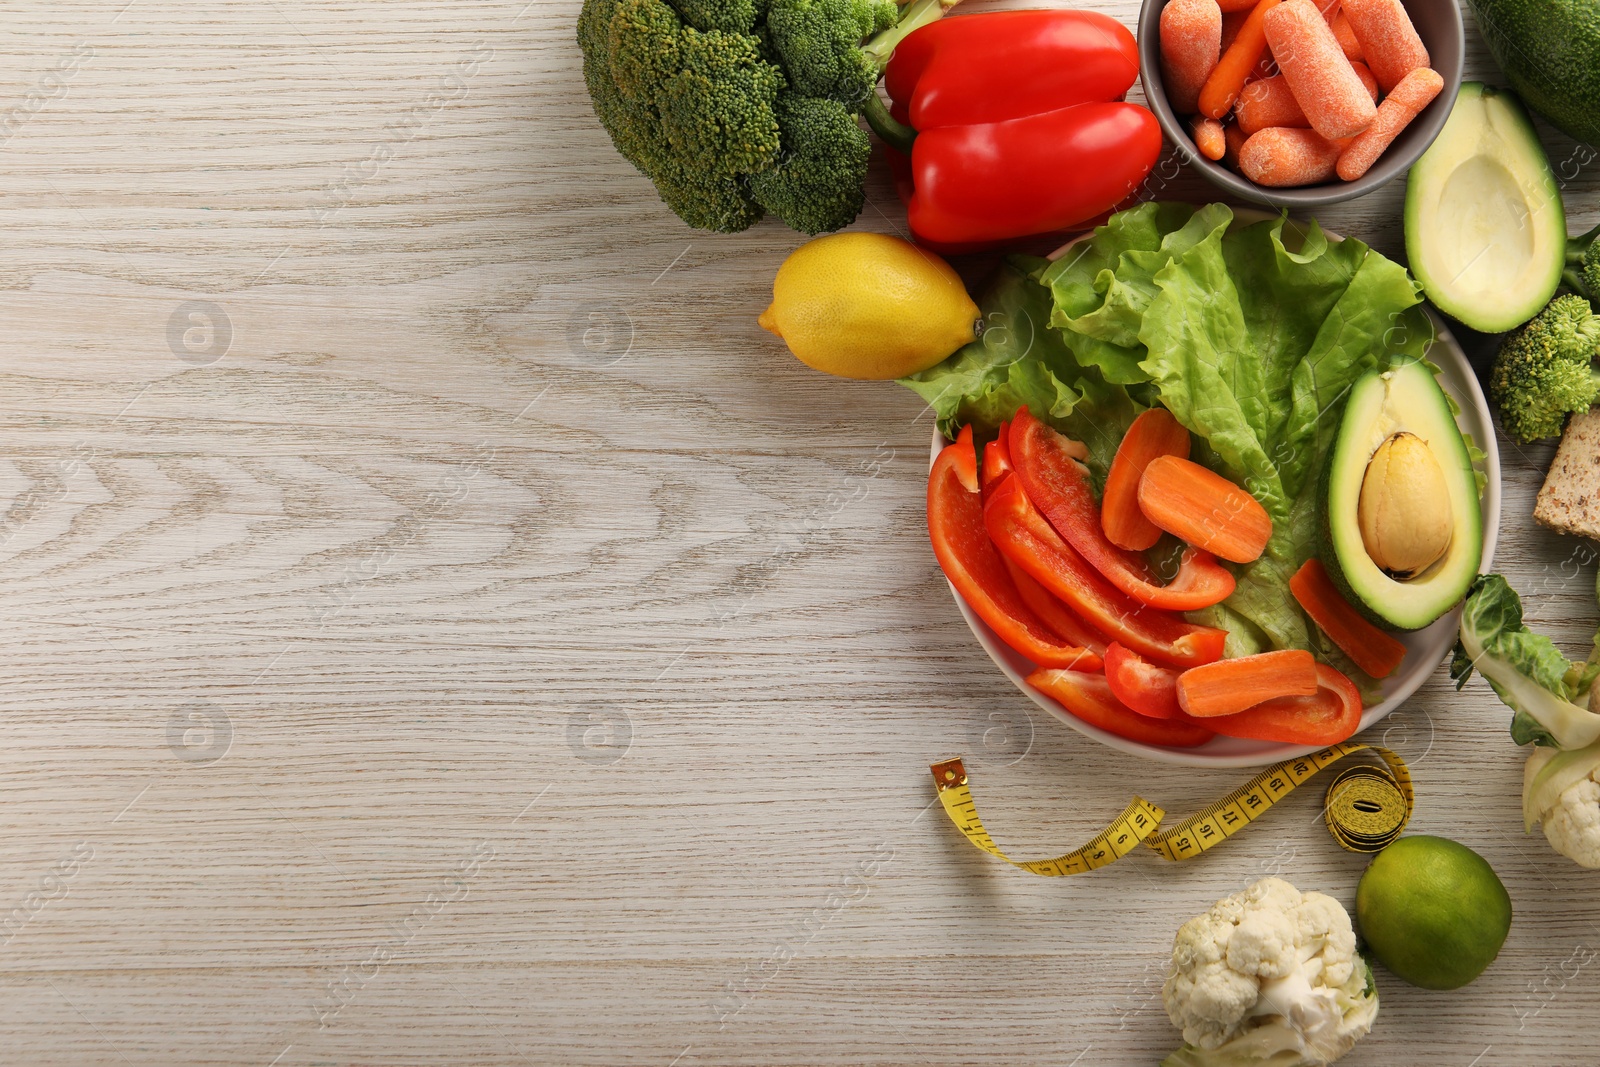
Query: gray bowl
point(1438, 23)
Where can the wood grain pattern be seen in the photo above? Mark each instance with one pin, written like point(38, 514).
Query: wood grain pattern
point(442, 628)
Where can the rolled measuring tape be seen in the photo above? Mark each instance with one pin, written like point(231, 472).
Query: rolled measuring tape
point(1365, 811)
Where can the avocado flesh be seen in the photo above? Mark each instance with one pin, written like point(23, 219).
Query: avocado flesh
point(1485, 229)
point(1380, 405)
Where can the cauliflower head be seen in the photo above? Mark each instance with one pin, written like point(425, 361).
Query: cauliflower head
point(1561, 792)
point(1269, 976)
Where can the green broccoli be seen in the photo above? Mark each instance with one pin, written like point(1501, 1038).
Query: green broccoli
point(1582, 275)
point(1544, 370)
point(736, 108)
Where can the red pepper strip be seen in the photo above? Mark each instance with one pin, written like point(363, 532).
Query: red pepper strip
point(1057, 484)
point(1377, 653)
point(1146, 688)
point(1001, 65)
point(996, 462)
point(969, 560)
point(1060, 618)
point(1331, 716)
point(1023, 536)
point(1089, 697)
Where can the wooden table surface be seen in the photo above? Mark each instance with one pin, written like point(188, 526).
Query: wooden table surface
point(442, 628)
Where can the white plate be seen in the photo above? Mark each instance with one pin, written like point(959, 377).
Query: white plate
point(1425, 649)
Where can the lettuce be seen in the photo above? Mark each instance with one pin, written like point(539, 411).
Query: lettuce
point(1249, 342)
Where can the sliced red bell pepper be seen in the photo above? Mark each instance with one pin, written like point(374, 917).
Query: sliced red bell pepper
point(1332, 715)
point(974, 567)
point(1058, 485)
point(1060, 618)
point(1149, 689)
point(1089, 697)
point(996, 461)
point(1023, 535)
point(1377, 653)
point(1022, 128)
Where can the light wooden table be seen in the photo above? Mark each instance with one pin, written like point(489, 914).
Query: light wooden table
point(442, 628)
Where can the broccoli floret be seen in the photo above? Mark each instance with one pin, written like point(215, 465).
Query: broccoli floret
point(1582, 274)
point(818, 177)
point(734, 108)
point(1544, 370)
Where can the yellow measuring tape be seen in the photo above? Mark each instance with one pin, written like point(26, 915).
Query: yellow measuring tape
point(1366, 810)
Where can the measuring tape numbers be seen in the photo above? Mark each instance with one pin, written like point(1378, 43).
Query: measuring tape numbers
point(1366, 810)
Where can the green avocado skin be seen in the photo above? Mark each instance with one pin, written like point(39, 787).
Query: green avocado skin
point(1550, 52)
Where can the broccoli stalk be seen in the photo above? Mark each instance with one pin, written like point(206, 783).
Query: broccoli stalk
point(1582, 274)
point(737, 108)
point(1545, 371)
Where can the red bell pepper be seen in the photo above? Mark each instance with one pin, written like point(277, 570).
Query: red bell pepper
point(1146, 688)
point(1017, 125)
point(974, 567)
point(1024, 536)
point(1089, 697)
point(996, 462)
point(1330, 716)
point(1053, 479)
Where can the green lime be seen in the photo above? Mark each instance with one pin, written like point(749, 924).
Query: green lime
point(1433, 911)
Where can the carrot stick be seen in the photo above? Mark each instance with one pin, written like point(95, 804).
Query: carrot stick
point(1153, 434)
point(1233, 69)
point(1230, 686)
point(1374, 651)
point(1415, 92)
point(1204, 508)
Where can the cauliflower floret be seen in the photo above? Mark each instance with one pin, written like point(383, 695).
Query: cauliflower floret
point(1573, 826)
point(1269, 972)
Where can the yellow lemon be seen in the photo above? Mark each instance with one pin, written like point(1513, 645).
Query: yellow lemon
point(869, 306)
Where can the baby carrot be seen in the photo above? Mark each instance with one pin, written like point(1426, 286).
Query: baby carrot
point(1335, 102)
point(1236, 5)
point(1415, 92)
point(1236, 139)
point(1208, 137)
point(1191, 44)
point(1389, 42)
point(1229, 686)
point(1365, 74)
point(1374, 651)
point(1269, 102)
point(1233, 69)
point(1281, 157)
point(1346, 38)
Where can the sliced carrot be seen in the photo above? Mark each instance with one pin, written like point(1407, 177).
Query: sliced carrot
point(1374, 651)
point(1237, 63)
point(1155, 433)
point(1204, 508)
point(1229, 686)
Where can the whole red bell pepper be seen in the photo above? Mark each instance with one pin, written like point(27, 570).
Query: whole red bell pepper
point(1016, 124)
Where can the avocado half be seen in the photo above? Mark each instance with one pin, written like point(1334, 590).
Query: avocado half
point(1485, 230)
point(1406, 398)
